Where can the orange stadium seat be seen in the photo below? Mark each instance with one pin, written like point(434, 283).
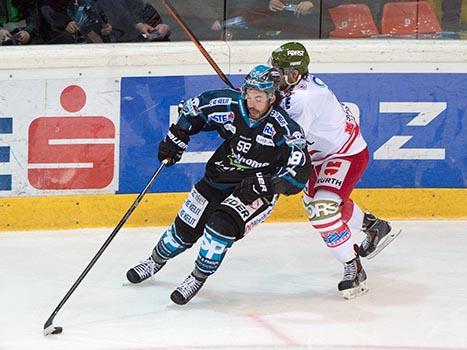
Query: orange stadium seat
point(408, 18)
point(352, 21)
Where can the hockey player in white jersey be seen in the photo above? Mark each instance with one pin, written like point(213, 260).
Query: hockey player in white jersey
point(339, 156)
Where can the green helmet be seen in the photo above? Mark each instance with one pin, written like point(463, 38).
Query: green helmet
point(291, 55)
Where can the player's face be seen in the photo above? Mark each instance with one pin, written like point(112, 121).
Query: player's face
point(283, 84)
point(288, 77)
point(258, 103)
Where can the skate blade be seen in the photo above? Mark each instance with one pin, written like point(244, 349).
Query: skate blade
point(384, 243)
point(148, 281)
point(352, 293)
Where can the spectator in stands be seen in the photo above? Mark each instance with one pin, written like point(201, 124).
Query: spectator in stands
point(74, 21)
point(451, 20)
point(18, 22)
point(151, 21)
point(299, 8)
point(199, 15)
point(274, 19)
point(134, 21)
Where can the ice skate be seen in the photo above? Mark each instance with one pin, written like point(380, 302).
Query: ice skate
point(354, 282)
point(378, 235)
point(187, 290)
point(144, 270)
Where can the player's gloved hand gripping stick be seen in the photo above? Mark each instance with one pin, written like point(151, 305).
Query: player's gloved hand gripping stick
point(173, 145)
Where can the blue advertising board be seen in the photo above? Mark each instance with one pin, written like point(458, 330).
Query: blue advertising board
point(415, 126)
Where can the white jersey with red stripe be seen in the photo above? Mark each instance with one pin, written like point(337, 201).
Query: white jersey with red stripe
point(330, 128)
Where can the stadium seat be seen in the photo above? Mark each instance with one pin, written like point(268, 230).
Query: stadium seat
point(352, 21)
point(409, 18)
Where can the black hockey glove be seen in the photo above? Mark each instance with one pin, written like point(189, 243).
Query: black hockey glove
point(254, 187)
point(173, 145)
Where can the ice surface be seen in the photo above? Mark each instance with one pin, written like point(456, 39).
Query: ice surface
point(276, 289)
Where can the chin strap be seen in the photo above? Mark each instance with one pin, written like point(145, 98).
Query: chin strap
point(293, 83)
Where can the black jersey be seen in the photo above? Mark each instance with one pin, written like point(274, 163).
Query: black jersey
point(273, 145)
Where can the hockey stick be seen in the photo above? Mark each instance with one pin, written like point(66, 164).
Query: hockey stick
point(195, 41)
point(49, 328)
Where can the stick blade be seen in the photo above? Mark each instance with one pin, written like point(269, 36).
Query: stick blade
point(52, 330)
point(49, 328)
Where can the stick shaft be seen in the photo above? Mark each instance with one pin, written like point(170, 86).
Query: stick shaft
point(195, 41)
point(125, 217)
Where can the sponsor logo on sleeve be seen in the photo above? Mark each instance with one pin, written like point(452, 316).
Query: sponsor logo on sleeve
point(220, 101)
point(279, 117)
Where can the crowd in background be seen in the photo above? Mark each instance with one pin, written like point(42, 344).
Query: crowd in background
point(97, 21)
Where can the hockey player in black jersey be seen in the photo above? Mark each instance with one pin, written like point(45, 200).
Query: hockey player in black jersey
point(263, 155)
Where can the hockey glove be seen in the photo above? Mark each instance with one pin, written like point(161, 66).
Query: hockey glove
point(173, 145)
point(252, 188)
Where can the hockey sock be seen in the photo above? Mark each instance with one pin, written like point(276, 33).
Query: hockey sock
point(352, 215)
point(326, 218)
point(338, 239)
point(212, 251)
point(169, 246)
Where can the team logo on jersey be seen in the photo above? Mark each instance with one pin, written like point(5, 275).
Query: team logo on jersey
point(230, 127)
point(221, 118)
point(220, 101)
point(319, 82)
point(191, 107)
point(269, 130)
point(279, 117)
point(297, 139)
point(264, 141)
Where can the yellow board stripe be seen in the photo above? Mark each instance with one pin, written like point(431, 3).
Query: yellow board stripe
point(66, 212)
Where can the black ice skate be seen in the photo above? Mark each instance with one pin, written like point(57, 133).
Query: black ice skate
point(378, 235)
point(354, 282)
point(143, 270)
point(187, 290)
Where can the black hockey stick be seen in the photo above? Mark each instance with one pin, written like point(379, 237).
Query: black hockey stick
point(195, 41)
point(49, 328)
